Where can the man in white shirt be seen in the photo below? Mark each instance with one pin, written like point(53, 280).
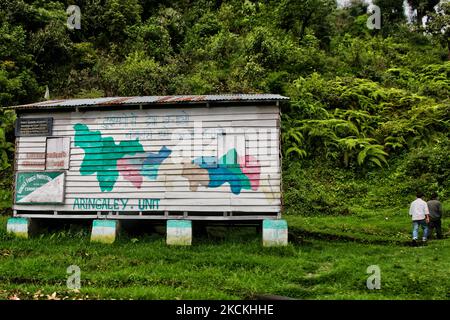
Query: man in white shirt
point(420, 217)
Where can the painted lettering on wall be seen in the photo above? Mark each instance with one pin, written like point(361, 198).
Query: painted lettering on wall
point(120, 121)
point(148, 204)
point(115, 204)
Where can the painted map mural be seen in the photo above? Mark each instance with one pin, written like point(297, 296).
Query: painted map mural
point(221, 171)
point(106, 159)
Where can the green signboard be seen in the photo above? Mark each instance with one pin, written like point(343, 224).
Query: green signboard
point(40, 187)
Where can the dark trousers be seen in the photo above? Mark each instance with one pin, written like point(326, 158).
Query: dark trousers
point(436, 224)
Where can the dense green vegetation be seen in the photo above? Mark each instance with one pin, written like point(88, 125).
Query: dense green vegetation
point(370, 106)
point(367, 126)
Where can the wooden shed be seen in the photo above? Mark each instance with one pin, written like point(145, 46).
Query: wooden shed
point(209, 157)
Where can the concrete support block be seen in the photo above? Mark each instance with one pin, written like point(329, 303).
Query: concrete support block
point(179, 232)
point(19, 227)
point(275, 233)
point(104, 231)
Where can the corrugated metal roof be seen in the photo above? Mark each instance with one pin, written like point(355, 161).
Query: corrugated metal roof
point(145, 100)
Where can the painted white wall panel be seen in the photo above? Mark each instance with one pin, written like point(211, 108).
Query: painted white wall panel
point(163, 160)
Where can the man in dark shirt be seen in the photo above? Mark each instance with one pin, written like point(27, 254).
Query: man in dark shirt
point(435, 209)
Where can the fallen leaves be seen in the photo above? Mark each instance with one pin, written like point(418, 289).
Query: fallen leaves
point(64, 295)
point(5, 252)
point(37, 295)
point(53, 296)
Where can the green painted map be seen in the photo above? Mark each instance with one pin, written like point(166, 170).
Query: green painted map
point(102, 154)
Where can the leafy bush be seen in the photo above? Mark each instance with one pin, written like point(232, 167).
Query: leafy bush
point(137, 75)
point(314, 187)
point(429, 167)
point(6, 147)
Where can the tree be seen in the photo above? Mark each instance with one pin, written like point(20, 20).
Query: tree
point(391, 12)
point(423, 8)
point(117, 15)
point(438, 24)
point(6, 147)
point(357, 8)
point(17, 81)
point(300, 15)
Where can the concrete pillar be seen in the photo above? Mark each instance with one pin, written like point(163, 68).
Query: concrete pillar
point(179, 232)
point(104, 231)
point(275, 233)
point(19, 227)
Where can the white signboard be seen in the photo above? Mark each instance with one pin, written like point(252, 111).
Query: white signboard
point(58, 151)
point(40, 187)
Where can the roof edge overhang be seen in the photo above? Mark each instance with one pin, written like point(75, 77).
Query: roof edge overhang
point(118, 103)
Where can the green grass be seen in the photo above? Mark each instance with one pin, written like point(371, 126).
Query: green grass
point(327, 258)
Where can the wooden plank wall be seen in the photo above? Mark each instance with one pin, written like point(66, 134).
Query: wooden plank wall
point(164, 160)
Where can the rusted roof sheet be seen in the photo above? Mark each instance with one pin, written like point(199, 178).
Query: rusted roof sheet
point(146, 100)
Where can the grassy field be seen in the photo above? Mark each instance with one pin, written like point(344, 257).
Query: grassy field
point(327, 258)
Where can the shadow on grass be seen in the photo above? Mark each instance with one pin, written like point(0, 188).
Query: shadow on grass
point(203, 233)
point(299, 236)
point(230, 233)
point(145, 231)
